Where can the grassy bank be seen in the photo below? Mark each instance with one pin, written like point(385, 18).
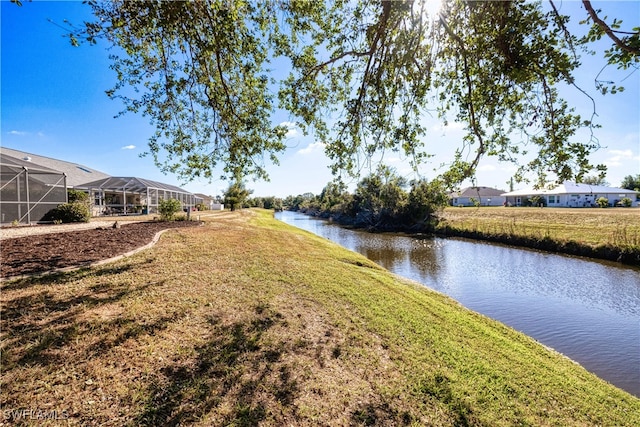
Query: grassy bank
point(248, 321)
point(612, 234)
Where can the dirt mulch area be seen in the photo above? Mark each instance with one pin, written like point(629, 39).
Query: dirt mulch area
point(45, 252)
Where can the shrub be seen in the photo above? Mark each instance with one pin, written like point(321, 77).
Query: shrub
point(77, 196)
point(602, 202)
point(626, 202)
point(168, 208)
point(538, 201)
point(69, 212)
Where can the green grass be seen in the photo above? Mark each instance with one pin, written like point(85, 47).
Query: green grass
point(248, 321)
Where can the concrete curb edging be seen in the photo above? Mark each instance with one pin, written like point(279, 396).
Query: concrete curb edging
point(88, 264)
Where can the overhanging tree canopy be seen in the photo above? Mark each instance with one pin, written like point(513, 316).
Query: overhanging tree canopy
point(363, 74)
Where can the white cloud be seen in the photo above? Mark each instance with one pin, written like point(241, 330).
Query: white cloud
point(487, 168)
point(292, 129)
point(509, 167)
point(449, 127)
point(128, 147)
point(621, 153)
point(617, 157)
point(17, 132)
point(311, 148)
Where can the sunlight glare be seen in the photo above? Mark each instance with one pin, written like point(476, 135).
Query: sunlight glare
point(431, 8)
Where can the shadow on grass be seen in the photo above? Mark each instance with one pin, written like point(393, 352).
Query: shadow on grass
point(374, 414)
point(237, 374)
point(37, 324)
point(439, 388)
point(63, 277)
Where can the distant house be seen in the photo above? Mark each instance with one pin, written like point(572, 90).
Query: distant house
point(477, 196)
point(210, 202)
point(572, 195)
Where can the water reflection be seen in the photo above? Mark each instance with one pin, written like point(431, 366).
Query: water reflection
point(425, 259)
point(588, 310)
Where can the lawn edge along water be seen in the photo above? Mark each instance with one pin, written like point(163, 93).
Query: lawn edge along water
point(476, 367)
point(249, 321)
point(607, 234)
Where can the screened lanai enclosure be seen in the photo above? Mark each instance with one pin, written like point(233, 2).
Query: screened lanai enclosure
point(131, 195)
point(28, 191)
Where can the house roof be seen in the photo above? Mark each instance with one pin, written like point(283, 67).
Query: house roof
point(477, 192)
point(13, 162)
point(570, 188)
point(203, 196)
point(77, 174)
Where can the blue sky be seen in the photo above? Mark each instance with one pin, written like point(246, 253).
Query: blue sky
point(54, 104)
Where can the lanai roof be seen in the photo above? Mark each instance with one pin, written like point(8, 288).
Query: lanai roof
point(570, 188)
point(133, 184)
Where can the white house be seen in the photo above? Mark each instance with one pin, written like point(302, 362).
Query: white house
point(477, 196)
point(572, 195)
point(210, 202)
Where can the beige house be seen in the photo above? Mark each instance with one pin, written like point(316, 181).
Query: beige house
point(477, 196)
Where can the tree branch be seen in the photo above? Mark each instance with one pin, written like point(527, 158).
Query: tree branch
point(567, 34)
point(608, 31)
point(473, 122)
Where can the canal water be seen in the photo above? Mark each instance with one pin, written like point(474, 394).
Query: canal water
point(584, 309)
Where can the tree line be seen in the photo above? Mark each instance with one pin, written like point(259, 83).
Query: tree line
point(382, 201)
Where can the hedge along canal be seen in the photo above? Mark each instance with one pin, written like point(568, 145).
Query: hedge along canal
point(587, 310)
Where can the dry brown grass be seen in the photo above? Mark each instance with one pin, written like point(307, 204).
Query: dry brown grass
point(613, 226)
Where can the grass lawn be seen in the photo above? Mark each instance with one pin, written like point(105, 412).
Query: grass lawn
point(248, 321)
